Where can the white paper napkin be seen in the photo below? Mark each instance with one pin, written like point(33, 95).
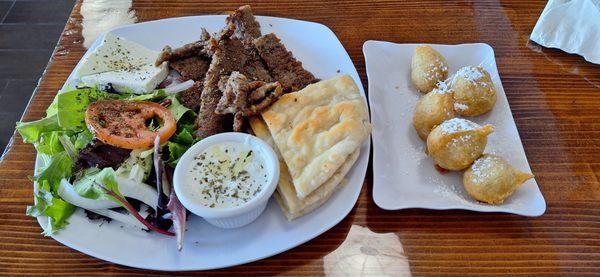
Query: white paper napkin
point(572, 26)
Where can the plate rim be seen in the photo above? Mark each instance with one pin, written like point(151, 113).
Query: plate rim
point(362, 173)
point(398, 206)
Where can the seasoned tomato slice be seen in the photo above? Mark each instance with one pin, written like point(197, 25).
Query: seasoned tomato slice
point(123, 123)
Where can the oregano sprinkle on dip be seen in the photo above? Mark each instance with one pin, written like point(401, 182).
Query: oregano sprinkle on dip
point(226, 174)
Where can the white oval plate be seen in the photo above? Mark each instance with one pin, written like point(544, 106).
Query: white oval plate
point(403, 176)
point(205, 246)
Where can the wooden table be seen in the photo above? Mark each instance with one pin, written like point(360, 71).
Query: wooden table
point(554, 96)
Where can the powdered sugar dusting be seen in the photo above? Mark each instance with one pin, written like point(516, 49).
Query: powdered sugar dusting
point(455, 193)
point(471, 73)
point(482, 169)
point(460, 106)
point(436, 69)
point(468, 139)
point(442, 88)
point(457, 125)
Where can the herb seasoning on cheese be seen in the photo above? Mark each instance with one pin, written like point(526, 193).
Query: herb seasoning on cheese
point(227, 174)
point(125, 64)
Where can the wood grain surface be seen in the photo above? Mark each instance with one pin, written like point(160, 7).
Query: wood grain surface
point(555, 100)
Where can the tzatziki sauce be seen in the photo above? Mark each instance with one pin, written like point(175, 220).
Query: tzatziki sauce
point(226, 174)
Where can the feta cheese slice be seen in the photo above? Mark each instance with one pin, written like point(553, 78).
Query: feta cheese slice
point(116, 54)
point(140, 80)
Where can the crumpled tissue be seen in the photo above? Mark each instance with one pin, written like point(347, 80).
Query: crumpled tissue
point(572, 26)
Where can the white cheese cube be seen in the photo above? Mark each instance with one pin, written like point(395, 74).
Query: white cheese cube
point(139, 80)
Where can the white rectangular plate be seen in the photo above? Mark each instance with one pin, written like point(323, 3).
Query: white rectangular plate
point(403, 176)
point(206, 246)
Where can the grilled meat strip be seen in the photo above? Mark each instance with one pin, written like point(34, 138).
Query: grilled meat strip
point(229, 54)
point(197, 48)
point(255, 68)
point(282, 65)
point(242, 97)
point(246, 26)
point(191, 98)
point(192, 68)
point(190, 60)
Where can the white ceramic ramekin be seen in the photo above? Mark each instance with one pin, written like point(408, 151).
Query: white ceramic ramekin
point(231, 217)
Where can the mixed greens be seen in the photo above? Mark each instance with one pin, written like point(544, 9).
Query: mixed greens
point(62, 140)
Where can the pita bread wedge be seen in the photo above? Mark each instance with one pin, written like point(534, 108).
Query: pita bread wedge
point(286, 196)
point(317, 129)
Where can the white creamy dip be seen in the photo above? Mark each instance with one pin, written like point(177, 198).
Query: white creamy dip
point(226, 174)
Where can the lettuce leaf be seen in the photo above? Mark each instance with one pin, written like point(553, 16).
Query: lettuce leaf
point(60, 166)
point(176, 147)
point(71, 106)
point(89, 184)
point(82, 139)
point(56, 209)
point(156, 95)
point(184, 137)
point(58, 213)
point(49, 143)
point(32, 131)
point(66, 113)
point(178, 109)
point(138, 166)
point(47, 201)
point(53, 108)
point(176, 150)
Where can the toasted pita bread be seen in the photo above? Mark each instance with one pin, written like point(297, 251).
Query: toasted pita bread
point(317, 129)
point(286, 195)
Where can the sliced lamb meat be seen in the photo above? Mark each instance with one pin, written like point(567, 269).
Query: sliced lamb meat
point(282, 64)
point(232, 56)
point(192, 68)
point(238, 122)
point(255, 68)
point(191, 98)
point(197, 48)
point(262, 98)
point(246, 26)
point(229, 86)
point(243, 97)
point(243, 57)
point(170, 55)
point(228, 55)
point(208, 122)
point(235, 90)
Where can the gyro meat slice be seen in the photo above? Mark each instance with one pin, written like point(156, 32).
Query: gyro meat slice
point(197, 48)
point(192, 68)
point(247, 97)
point(246, 26)
point(234, 95)
point(262, 98)
point(238, 122)
point(282, 64)
point(191, 97)
point(226, 58)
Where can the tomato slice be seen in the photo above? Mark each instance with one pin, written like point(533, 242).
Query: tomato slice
point(122, 123)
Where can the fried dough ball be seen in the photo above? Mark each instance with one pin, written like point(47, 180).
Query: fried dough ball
point(428, 67)
point(457, 143)
point(492, 179)
point(432, 109)
point(474, 91)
